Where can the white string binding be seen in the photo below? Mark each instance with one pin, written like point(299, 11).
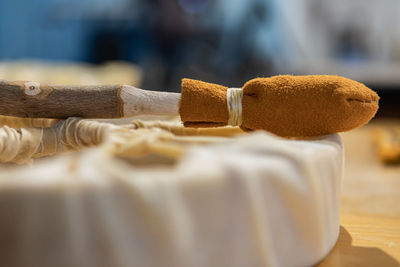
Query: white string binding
point(234, 98)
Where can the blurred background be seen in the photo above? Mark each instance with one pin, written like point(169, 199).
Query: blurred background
point(155, 43)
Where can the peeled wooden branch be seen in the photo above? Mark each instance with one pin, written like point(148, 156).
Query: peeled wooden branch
point(38, 100)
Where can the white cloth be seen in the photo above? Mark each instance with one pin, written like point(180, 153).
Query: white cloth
point(255, 200)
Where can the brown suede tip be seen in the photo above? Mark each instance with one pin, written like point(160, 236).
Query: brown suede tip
point(290, 106)
point(203, 104)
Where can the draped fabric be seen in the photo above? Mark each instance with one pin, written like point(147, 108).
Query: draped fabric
point(157, 194)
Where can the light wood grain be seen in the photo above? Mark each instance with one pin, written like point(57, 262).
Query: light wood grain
point(137, 101)
point(370, 206)
point(366, 241)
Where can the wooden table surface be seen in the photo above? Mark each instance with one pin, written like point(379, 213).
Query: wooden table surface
point(370, 206)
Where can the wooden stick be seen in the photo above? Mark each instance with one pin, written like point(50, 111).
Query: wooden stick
point(179, 130)
point(16, 122)
point(38, 100)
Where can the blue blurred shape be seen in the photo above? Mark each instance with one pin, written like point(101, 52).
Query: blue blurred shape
point(194, 6)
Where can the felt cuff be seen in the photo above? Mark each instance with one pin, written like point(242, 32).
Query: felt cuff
point(203, 104)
